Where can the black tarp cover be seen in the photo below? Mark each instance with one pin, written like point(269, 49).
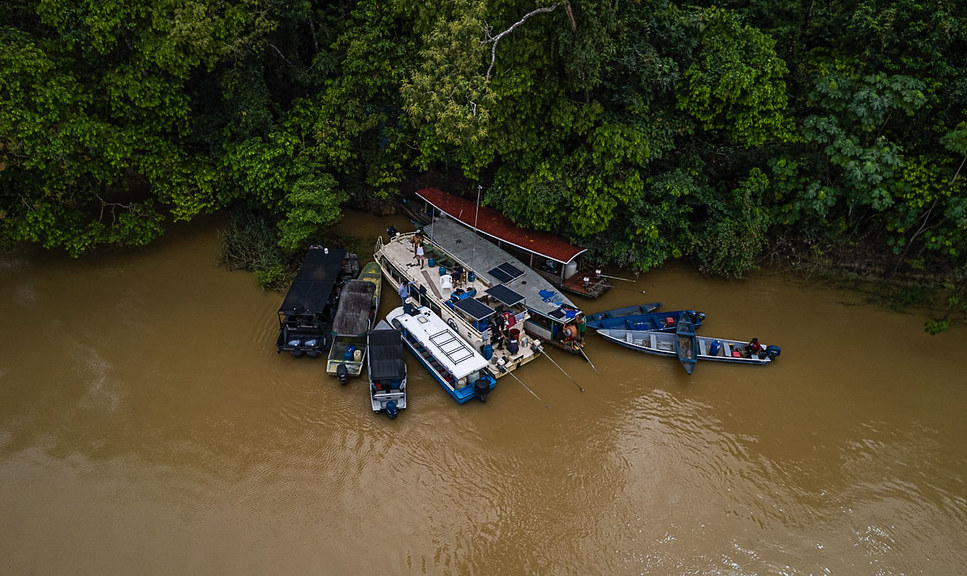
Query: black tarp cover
point(355, 302)
point(386, 354)
point(313, 284)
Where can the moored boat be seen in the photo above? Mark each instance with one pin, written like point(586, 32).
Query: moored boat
point(307, 310)
point(661, 321)
point(451, 361)
point(552, 317)
point(709, 349)
point(485, 315)
point(590, 285)
point(387, 369)
point(686, 344)
point(550, 256)
point(358, 304)
point(637, 309)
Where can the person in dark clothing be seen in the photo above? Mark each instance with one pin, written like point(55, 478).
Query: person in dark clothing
point(753, 348)
point(404, 294)
point(497, 331)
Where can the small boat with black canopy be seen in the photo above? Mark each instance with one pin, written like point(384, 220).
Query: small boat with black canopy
point(307, 311)
point(387, 369)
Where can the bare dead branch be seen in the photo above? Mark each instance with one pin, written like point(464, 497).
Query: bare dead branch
point(113, 206)
point(495, 39)
point(281, 55)
point(570, 16)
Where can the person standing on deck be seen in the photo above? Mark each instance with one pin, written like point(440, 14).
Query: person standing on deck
point(404, 294)
point(420, 254)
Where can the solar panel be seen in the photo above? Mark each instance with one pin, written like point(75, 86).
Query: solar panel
point(476, 309)
point(505, 295)
point(506, 272)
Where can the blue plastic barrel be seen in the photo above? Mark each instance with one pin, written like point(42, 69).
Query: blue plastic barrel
point(431, 262)
point(471, 276)
point(713, 350)
point(487, 351)
point(443, 270)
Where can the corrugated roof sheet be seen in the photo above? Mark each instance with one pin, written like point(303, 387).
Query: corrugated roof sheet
point(495, 224)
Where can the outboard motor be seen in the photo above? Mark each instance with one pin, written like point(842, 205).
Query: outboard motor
point(481, 388)
point(391, 409)
point(342, 374)
point(773, 352)
point(391, 231)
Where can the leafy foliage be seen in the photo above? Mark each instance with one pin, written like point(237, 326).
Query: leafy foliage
point(737, 231)
point(645, 130)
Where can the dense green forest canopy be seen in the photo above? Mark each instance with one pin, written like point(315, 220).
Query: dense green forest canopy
point(646, 130)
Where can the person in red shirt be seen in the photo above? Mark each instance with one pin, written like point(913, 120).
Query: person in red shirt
point(753, 348)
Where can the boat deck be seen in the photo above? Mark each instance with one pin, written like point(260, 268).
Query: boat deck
point(463, 302)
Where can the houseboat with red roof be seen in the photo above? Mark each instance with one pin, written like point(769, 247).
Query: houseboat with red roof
point(547, 254)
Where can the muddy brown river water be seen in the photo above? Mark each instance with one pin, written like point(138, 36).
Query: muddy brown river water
point(147, 426)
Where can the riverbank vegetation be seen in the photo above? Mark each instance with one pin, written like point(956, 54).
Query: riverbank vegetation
point(648, 130)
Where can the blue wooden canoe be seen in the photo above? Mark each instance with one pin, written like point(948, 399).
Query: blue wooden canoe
point(662, 321)
point(686, 345)
point(622, 312)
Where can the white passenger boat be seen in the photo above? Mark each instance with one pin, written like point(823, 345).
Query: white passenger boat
point(487, 315)
point(457, 367)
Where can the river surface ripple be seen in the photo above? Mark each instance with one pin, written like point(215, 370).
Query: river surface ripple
point(148, 426)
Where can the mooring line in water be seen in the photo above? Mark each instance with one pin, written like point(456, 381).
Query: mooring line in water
point(537, 345)
point(504, 369)
point(581, 350)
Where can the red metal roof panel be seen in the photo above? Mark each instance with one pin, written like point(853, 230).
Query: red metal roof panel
point(496, 225)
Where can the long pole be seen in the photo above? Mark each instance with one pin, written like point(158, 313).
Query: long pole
point(544, 352)
point(511, 374)
point(476, 213)
point(581, 350)
point(616, 278)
